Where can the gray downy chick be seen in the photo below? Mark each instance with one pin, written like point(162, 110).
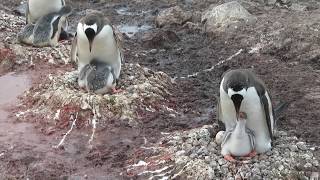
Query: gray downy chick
point(99, 77)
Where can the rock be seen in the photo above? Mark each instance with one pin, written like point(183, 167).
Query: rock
point(173, 15)
point(293, 148)
point(222, 162)
point(271, 2)
point(302, 146)
point(159, 39)
point(298, 7)
point(308, 165)
point(222, 16)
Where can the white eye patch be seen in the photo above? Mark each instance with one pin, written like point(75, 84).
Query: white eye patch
point(93, 26)
point(232, 92)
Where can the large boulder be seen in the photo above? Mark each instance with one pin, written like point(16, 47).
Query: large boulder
point(173, 15)
point(222, 16)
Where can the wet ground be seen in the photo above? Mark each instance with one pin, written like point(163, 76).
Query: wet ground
point(289, 64)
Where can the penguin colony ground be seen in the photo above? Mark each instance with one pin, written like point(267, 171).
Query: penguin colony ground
point(245, 105)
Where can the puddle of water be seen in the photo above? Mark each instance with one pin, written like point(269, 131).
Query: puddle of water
point(130, 31)
point(12, 85)
point(125, 11)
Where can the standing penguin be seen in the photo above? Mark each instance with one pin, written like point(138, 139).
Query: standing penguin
point(99, 77)
point(242, 91)
point(96, 38)
point(39, 8)
point(46, 30)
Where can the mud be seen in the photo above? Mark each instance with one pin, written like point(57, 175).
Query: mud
point(282, 48)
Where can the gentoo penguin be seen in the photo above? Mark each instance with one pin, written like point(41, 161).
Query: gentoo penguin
point(242, 91)
point(99, 77)
point(238, 141)
point(46, 31)
point(39, 8)
point(96, 38)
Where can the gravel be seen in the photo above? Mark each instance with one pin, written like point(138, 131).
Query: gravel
point(289, 157)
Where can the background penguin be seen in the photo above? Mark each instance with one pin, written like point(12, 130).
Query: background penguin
point(47, 29)
point(242, 91)
point(96, 38)
point(99, 77)
point(238, 141)
point(39, 8)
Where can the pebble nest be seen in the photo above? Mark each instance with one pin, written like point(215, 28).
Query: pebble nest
point(195, 154)
point(142, 90)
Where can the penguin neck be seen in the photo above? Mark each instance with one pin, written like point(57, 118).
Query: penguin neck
point(240, 129)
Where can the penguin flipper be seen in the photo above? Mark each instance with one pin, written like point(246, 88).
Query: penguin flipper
point(74, 49)
point(269, 113)
point(42, 31)
point(119, 39)
point(251, 138)
point(226, 136)
point(26, 34)
point(27, 14)
point(84, 71)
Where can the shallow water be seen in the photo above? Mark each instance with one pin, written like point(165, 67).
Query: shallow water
point(131, 30)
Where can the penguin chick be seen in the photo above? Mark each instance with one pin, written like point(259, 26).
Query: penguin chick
point(48, 28)
point(96, 38)
point(26, 34)
point(238, 141)
point(98, 77)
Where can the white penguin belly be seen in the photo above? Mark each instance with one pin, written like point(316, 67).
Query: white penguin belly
point(104, 48)
point(228, 112)
point(256, 120)
point(40, 8)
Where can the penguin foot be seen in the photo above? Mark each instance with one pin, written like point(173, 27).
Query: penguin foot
point(115, 91)
point(251, 154)
point(229, 158)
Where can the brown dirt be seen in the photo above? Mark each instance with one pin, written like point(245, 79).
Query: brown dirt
point(289, 65)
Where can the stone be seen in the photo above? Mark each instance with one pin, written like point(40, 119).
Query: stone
point(217, 17)
point(293, 148)
point(302, 146)
point(308, 165)
point(173, 15)
point(298, 7)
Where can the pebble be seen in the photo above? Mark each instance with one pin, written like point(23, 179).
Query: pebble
point(302, 146)
point(293, 147)
point(308, 165)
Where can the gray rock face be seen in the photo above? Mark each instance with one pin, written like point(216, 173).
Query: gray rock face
point(173, 15)
point(217, 17)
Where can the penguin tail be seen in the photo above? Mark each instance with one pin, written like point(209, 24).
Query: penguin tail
point(282, 106)
point(65, 10)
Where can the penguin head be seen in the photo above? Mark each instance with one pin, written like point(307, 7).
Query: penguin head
point(236, 84)
point(92, 25)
